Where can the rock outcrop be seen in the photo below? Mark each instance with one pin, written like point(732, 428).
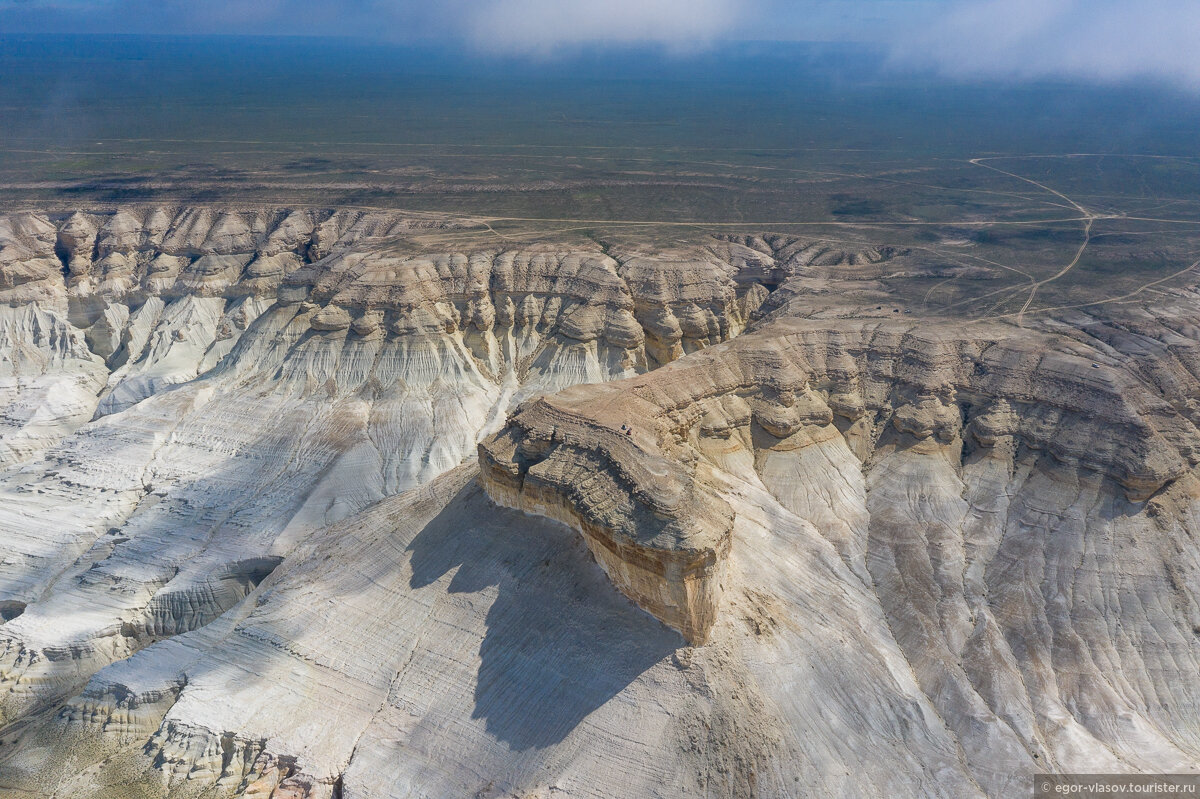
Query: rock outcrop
point(659, 539)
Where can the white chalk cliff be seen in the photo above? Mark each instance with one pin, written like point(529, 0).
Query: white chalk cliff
point(302, 503)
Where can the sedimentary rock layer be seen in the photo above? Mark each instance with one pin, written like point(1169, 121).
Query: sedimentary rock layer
point(640, 497)
point(662, 542)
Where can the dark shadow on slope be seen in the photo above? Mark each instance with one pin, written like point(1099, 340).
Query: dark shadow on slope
point(10, 609)
point(561, 641)
point(188, 522)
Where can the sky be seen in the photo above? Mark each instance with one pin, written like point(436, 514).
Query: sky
point(1099, 40)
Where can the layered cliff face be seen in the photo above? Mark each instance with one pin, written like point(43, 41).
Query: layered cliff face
point(1019, 502)
point(766, 402)
point(791, 545)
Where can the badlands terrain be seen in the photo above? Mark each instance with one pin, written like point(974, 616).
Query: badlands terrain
point(301, 502)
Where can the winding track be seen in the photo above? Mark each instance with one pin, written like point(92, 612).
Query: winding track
point(1088, 217)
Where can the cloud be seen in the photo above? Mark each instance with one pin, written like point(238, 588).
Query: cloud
point(543, 26)
point(1098, 40)
point(510, 26)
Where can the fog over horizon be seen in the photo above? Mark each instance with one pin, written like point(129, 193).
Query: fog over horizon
point(1091, 40)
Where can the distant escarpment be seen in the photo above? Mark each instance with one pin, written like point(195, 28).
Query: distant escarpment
point(162, 294)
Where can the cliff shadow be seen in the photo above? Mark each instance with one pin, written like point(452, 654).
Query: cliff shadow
point(561, 641)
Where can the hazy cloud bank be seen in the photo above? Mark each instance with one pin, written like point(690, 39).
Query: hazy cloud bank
point(1086, 39)
point(1106, 40)
point(509, 26)
point(544, 26)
